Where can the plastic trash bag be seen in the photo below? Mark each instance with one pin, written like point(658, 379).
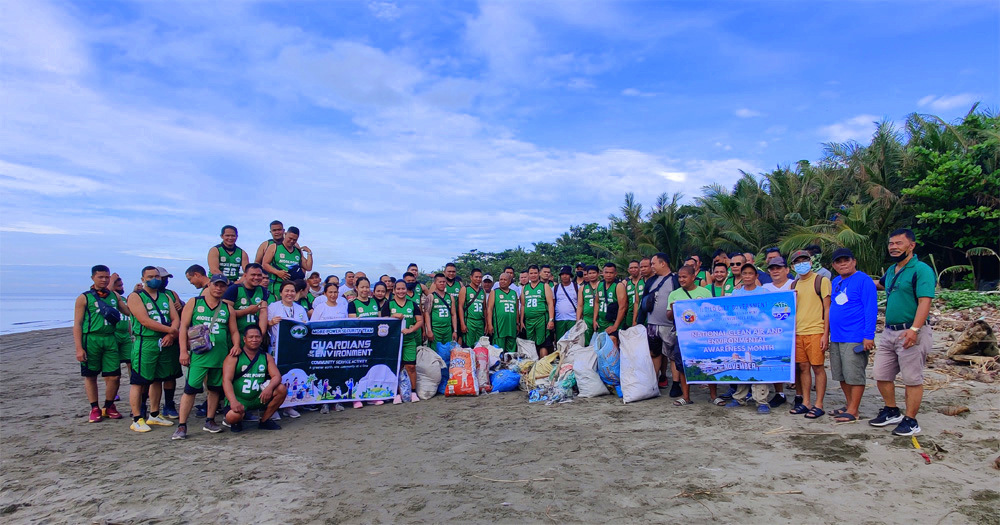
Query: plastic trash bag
point(405, 389)
point(444, 350)
point(608, 361)
point(588, 381)
point(429, 366)
point(505, 380)
point(575, 336)
point(482, 356)
point(462, 379)
point(527, 349)
point(638, 379)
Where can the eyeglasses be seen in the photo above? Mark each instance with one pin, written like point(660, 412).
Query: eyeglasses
point(734, 264)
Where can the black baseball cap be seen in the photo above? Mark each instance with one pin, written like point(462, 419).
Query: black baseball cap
point(565, 270)
point(842, 252)
point(219, 278)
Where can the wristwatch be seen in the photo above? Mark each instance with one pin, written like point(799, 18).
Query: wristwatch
point(915, 329)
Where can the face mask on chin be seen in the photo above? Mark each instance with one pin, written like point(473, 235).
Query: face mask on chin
point(899, 258)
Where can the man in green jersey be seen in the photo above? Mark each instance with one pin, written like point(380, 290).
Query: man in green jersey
point(155, 324)
point(401, 307)
point(205, 364)
point(198, 278)
point(440, 314)
point(502, 315)
point(634, 286)
point(280, 258)
point(277, 235)
point(545, 275)
point(251, 381)
point(226, 258)
point(249, 299)
point(536, 313)
point(452, 283)
point(472, 309)
point(610, 301)
point(722, 282)
point(123, 330)
point(94, 324)
point(172, 351)
point(588, 292)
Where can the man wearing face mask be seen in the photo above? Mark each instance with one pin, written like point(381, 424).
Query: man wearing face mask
point(902, 349)
point(155, 324)
point(580, 275)
point(812, 334)
point(173, 350)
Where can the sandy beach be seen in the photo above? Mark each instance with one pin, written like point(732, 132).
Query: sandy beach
point(492, 459)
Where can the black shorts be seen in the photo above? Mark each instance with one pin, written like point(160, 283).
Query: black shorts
point(409, 362)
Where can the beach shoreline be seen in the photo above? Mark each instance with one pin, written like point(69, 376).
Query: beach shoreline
point(489, 459)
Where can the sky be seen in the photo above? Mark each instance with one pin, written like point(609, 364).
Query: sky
point(398, 132)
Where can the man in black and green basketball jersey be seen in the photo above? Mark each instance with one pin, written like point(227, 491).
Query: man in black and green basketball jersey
point(226, 258)
point(198, 277)
point(611, 301)
point(545, 275)
point(440, 314)
point(452, 283)
point(634, 286)
point(277, 235)
point(588, 295)
point(536, 312)
point(280, 258)
point(155, 325)
point(249, 299)
point(472, 309)
point(502, 315)
point(123, 330)
point(94, 324)
point(251, 381)
point(205, 366)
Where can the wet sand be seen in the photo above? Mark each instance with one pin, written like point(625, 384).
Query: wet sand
point(467, 459)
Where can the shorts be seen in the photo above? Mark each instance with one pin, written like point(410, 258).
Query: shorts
point(655, 340)
point(808, 350)
point(197, 375)
point(507, 342)
point(846, 365)
point(442, 334)
point(562, 327)
point(409, 351)
point(150, 363)
point(535, 329)
point(102, 356)
point(475, 330)
point(251, 403)
point(891, 358)
point(125, 352)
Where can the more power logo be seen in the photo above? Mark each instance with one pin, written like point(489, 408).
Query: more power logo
point(299, 331)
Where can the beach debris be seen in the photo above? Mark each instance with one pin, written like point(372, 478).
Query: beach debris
point(953, 410)
point(952, 433)
point(511, 480)
point(996, 463)
point(976, 344)
point(916, 445)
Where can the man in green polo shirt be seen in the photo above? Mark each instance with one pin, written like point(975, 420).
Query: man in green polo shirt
point(905, 342)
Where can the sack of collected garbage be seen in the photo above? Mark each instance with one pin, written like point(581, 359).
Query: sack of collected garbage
point(638, 378)
point(482, 356)
point(525, 367)
point(543, 368)
point(405, 389)
point(527, 349)
point(608, 361)
point(462, 379)
point(576, 336)
point(444, 350)
point(505, 380)
point(588, 381)
point(429, 366)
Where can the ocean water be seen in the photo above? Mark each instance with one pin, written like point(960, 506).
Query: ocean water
point(22, 313)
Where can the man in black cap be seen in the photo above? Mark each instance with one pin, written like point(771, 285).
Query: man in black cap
point(565, 295)
point(853, 313)
point(580, 274)
point(778, 270)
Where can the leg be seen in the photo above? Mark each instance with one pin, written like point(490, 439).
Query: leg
point(713, 391)
point(187, 403)
point(854, 398)
point(820, 372)
point(888, 391)
point(914, 395)
point(135, 399)
point(685, 389)
point(155, 391)
point(279, 397)
point(111, 384)
point(213, 403)
point(804, 384)
point(411, 370)
point(90, 387)
point(232, 417)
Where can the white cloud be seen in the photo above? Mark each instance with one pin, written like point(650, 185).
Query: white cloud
point(747, 113)
point(947, 102)
point(155, 255)
point(17, 177)
point(859, 128)
point(633, 92)
point(580, 83)
point(38, 229)
point(384, 10)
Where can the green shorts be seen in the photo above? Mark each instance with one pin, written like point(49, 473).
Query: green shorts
point(562, 327)
point(442, 334)
point(198, 375)
point(507, 342)
point(476, 329)
point(102, 356)
point(124, 351)
point(251, 403)
point(409, 350)
point(535, 329)
point(150, 363)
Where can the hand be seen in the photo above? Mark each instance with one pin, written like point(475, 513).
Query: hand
point(305, 249)
point(185, 358)
point(261, 306)
point(237, 407)
point(609, 330)
point(454, 336)
point(266, 395)
point(234, 351)
point(489, 330)
point(909, 338)
point(274, 320)
point(178, 306)
point(551, 325)
point(173, 331)
point(869, 344)
point(595, 326)
point(168, 340)
point(81, 354)
point(430, 335)
point(464, 328)
point(284, 275)
point(824, 344)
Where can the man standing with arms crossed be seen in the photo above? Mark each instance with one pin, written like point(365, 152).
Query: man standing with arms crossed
point(472, 309)
point(155, 325)
point(906, 340)
point(96, 345)
point(537, 311)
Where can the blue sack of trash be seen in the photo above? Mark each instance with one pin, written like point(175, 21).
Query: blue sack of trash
point(608, 361)
point(444, 350)
point(618, 390)
point(505, 380)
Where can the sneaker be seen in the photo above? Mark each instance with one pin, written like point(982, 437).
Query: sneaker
point(236, 427)
point(325, 409)
point(95, 415)
point(413, 397)
point(157, 420)
point(180, 433)
point(268, 425)
point(140, 426)
point(763, 408)
point(112, 413)
point(777, 400)
point(226, 423)
point(397, 399)
point(211, 426)
point(379, 402)
point(292, 413)
point(675, 390)
point(733, 404)
point(886, 416)
point(907, 427)
point(663, 383)
point(337, 407)
point(311, 408)
point(358, 404)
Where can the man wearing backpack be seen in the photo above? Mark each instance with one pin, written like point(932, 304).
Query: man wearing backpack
point(651, 310)
point(902, 349)
point(812, 333)
point(565, 296)
point(94, 325)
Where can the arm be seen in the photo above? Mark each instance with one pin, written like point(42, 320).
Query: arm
point(425, 320)
point(262, 317)
point(183, 336)
point(520, 312)
point(140, 314)
point(213, 261)
point(275, 379)
point(259, 258)
point(122, 304)
point(551, 304)
point(78, 310)
point(234, 332)
point(596, 301)
point(307, 260)
point(622, 299)
point(825, 343)
point(489, 313)
point(419, 323)
point(869, 300)
point(579, 303)
point(228, 371)
point(461, 310)
point(268, 259)
point(454, 323)
point(923, 309)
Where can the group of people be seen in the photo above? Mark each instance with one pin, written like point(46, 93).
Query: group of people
point(222, 334)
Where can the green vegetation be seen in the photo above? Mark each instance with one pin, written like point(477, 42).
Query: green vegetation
point(940, 179)
point(963, 299)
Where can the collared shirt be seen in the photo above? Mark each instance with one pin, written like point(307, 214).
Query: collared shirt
point(901, 298)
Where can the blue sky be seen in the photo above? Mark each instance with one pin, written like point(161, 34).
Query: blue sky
point(414, 131)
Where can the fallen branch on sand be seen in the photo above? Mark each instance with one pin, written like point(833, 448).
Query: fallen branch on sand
point(512, 480)
point(712, 493)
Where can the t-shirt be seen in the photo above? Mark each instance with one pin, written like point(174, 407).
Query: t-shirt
point(743, 291)
point(659, 314)
point(681, 294)
point(565, 299)
point(901, 304)
point(853, 309)
point(783, 288)
point(810, 312)
point(324, 312)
